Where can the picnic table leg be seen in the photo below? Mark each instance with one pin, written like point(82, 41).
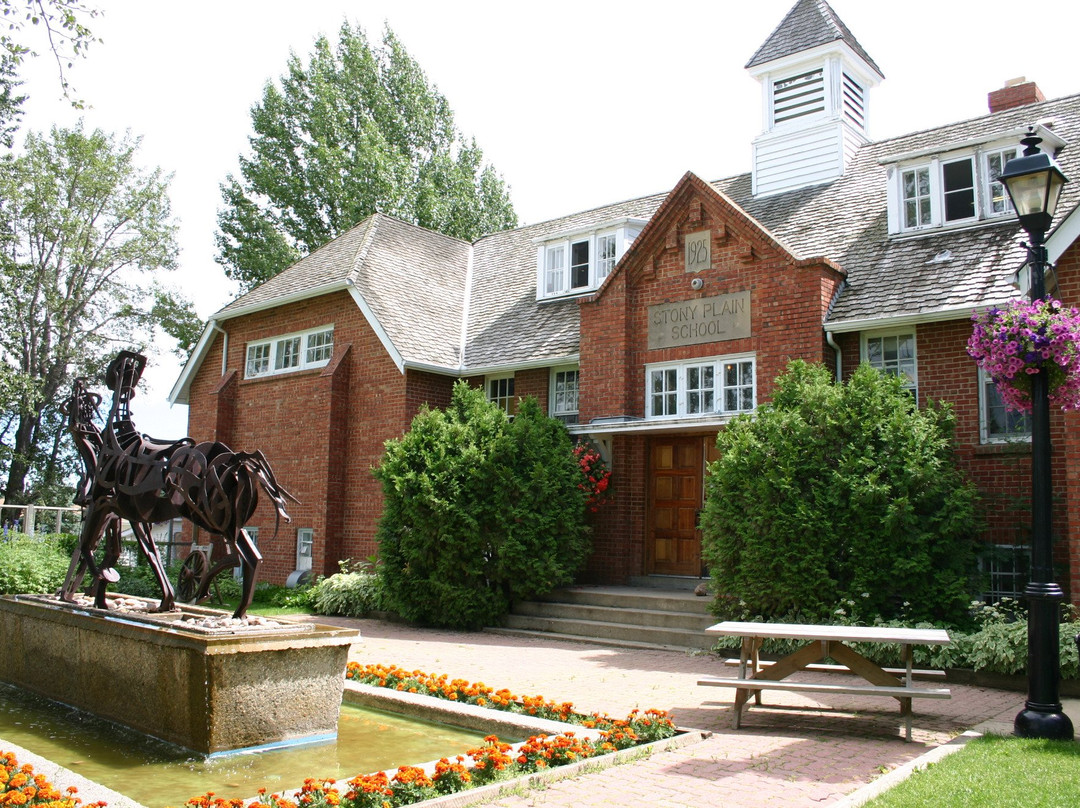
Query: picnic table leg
point(905, 704)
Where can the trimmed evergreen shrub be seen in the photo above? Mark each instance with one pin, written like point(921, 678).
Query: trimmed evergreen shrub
point(478, 511)
point(836, 492)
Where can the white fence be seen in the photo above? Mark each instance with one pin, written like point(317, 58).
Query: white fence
point(33, 519)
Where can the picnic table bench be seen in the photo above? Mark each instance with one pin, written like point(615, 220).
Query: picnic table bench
point(823, 642)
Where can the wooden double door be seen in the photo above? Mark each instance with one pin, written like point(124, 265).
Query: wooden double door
point(675, 496)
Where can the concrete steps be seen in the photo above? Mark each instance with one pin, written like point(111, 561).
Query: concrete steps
point(627, 616)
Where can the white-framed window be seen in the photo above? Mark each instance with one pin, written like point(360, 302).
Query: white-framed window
point(997, 424)
point(320, 346)
point(258, 360)
point(500, 390)
point(605, 255)
point(997, 199)
point(290, 352)
point(305, 547)
point(577, 263)
point(1007, 570)
point(564, 394)
point(951, 190)
point(721, 385)
point(893, 353)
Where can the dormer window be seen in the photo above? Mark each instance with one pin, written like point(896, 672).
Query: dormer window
point(957, 188)
point(577, 263)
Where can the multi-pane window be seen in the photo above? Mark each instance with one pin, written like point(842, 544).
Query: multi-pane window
point(258, 359)
point(894, 354)
point(555, 270)
point(290, 352)
point(500, 390)
point(701, 387)
point(1006, 570)
point(253, 534)
point(664, 395)
point(738, 386)
point(305, 545)
point(287, 355)
point(958, 188)
point(564, 395)
point(998, 198)
point(320, 346)
point(998, 424)
point(605, 255)
point(954, 191)
point(916, 199)
point(577, 263)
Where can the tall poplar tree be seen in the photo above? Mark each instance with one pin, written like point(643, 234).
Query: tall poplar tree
point(356, 130)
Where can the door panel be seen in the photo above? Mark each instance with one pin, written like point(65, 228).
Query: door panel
point(673, 541)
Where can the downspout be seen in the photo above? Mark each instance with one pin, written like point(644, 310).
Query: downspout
point(839, 356)
point(224, 345)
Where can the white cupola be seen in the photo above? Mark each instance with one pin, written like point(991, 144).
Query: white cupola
point(815, 81)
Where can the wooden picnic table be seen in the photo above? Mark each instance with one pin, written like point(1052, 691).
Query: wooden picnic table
point(823, 642)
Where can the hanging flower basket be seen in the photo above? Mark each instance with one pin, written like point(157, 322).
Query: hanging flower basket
point(1014, 342)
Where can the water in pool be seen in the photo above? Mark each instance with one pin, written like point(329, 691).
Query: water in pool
point(158, 774)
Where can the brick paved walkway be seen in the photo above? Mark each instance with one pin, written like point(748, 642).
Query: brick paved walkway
point(802, 755)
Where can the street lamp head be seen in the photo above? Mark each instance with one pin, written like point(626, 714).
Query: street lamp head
point(1034, 183)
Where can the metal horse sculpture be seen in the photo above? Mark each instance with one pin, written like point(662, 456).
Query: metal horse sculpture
point(131, 476)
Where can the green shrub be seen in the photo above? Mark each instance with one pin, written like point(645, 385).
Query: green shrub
point(478, 511)
point(837, 492)
point(32, 564)
point(353, 592)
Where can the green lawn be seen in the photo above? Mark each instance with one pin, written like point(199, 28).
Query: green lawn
point(995, 771)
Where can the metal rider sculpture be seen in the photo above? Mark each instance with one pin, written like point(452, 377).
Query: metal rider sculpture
point(131, 476)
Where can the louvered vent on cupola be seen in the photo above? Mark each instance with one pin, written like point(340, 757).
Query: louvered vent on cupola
point(815, 78)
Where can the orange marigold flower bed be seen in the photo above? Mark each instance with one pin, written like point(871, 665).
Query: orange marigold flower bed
point(494, 760)
point(20, 786)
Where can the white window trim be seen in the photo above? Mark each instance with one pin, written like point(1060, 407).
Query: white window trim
point(894, 332)
point(273, 344)
point(718, 391)
point(567, 414)
point(624, 232)
point(984, 419)
point(305, 536)
point(984, 212)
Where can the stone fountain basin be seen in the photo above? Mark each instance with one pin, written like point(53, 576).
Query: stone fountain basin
point(193, 677)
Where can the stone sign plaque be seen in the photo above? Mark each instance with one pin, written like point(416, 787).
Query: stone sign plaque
point(697, 250)
point(693, 322)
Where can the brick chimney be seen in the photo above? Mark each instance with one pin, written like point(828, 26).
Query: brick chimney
point(1016, 93)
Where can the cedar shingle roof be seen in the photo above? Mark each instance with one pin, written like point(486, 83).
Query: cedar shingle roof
point(414, 280)
point(810, 23)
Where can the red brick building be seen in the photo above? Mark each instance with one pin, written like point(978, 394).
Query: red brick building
point(646, 325)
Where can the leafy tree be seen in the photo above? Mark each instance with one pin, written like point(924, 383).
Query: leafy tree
point(61, 22)
point(840, 492)
point(478, 511)
point(84, 232)
point(357, 130)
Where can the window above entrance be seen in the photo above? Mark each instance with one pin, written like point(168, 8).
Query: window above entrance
point(577, 262)
point(700, 387)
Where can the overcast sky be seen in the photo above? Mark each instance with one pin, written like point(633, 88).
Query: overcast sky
point(577, 104)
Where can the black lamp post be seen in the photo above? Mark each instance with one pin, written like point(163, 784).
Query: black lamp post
point(1034, 183)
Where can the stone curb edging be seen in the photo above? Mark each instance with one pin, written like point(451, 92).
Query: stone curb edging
point(869, 791)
